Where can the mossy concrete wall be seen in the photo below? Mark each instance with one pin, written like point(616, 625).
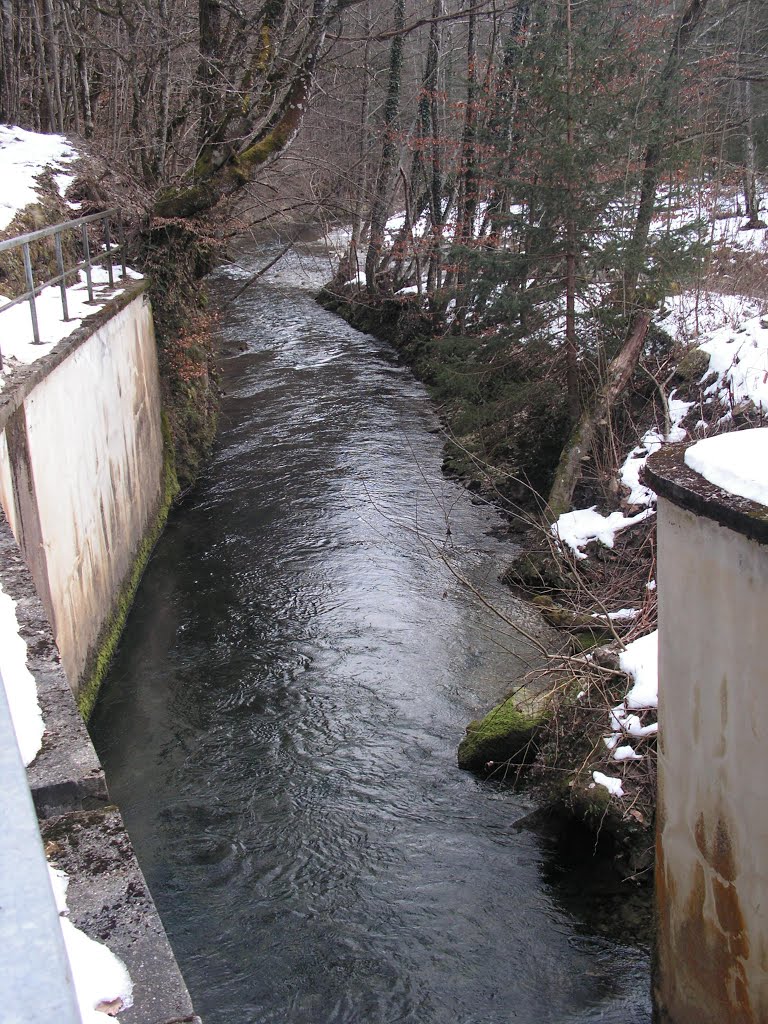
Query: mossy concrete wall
point(83, 480)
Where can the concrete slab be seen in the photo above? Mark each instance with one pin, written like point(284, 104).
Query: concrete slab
point(108, 898)
point(82, 833)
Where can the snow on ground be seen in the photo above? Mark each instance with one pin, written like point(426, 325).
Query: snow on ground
point(338, 238)
point(640, 661)
point(613, 786)
point(16, 339)
point(692, 314)
point(652, 440)
point(102, 982)
point(713, 213)
point(622, 615)
point(23, 156)
point(358, 281)
point(735, 337)
point(739, 357)
point(736, 461)
point(578, 528)
point(20, 687)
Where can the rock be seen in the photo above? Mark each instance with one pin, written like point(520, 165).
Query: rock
point(535, 572)
point(507, 734)
point(692, 366)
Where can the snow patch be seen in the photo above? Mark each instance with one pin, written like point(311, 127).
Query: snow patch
point(359, 280)
point(102, 983)
point(20, 687)
point(613, 786)
point(640, 662)
point(737, 462)
point(578, 528)
point(17, 344)
point(740, 360)
point(652, 440)
point(23, 156)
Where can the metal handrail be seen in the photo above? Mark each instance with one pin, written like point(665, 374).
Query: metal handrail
point(36, 984)
point(55, 231)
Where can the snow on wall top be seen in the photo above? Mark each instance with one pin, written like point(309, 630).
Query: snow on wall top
point(737, 462)
point(23, 156)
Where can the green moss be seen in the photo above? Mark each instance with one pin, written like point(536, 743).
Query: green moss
point(505, 736)
point(185, 200)
point(536, 572)
point(692, 367)
point(89, 691)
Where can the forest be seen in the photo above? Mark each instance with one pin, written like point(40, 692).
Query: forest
point(513, 175)
point(527, 199)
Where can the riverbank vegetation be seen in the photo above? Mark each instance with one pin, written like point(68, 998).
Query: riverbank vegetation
point(553, 210)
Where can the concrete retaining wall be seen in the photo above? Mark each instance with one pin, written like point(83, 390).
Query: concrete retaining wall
point(83, 489)
point(712, 815)
point(83, 834)
point(81, 471)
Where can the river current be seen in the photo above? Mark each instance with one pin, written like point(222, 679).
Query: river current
point(280, 723)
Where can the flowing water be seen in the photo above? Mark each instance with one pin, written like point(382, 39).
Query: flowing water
point(280, 723)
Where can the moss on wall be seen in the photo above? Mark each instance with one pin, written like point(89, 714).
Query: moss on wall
point(176, 256)
point(94, 675)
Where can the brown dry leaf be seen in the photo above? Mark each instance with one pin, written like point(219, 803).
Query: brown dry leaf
point(111, 1007)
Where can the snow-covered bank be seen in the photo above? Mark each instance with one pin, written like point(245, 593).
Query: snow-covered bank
point(24, 156)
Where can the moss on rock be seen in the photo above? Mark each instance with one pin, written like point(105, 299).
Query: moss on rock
point(506, 735)
point(692, 367)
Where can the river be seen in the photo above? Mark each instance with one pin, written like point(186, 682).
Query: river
point(280, 722)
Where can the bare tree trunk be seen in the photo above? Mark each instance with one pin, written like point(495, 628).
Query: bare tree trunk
point(571, 341)
point(380, 206)
point(9, 81)
point(209, 73)
point(70, 50)
point(165, 97)
point(582, 438)
point(652, 168)
point(42, 71)
point(362, 153)
point(53, 68)
point(467, 203)
point(431, 132)
point(750, 160)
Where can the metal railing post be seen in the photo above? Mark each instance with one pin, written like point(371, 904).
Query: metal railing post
point(121, 241)
point(62, 275)
point(87, 268)
point(87, 264)
point(31, 290)
point(108, 246)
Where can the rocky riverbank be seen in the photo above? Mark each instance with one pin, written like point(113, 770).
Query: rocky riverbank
point(586, 743)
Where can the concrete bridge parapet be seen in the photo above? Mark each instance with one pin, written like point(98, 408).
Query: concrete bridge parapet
point(712, 828)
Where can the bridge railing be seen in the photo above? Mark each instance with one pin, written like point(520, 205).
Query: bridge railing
point(36, 983)
point(113, 246)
